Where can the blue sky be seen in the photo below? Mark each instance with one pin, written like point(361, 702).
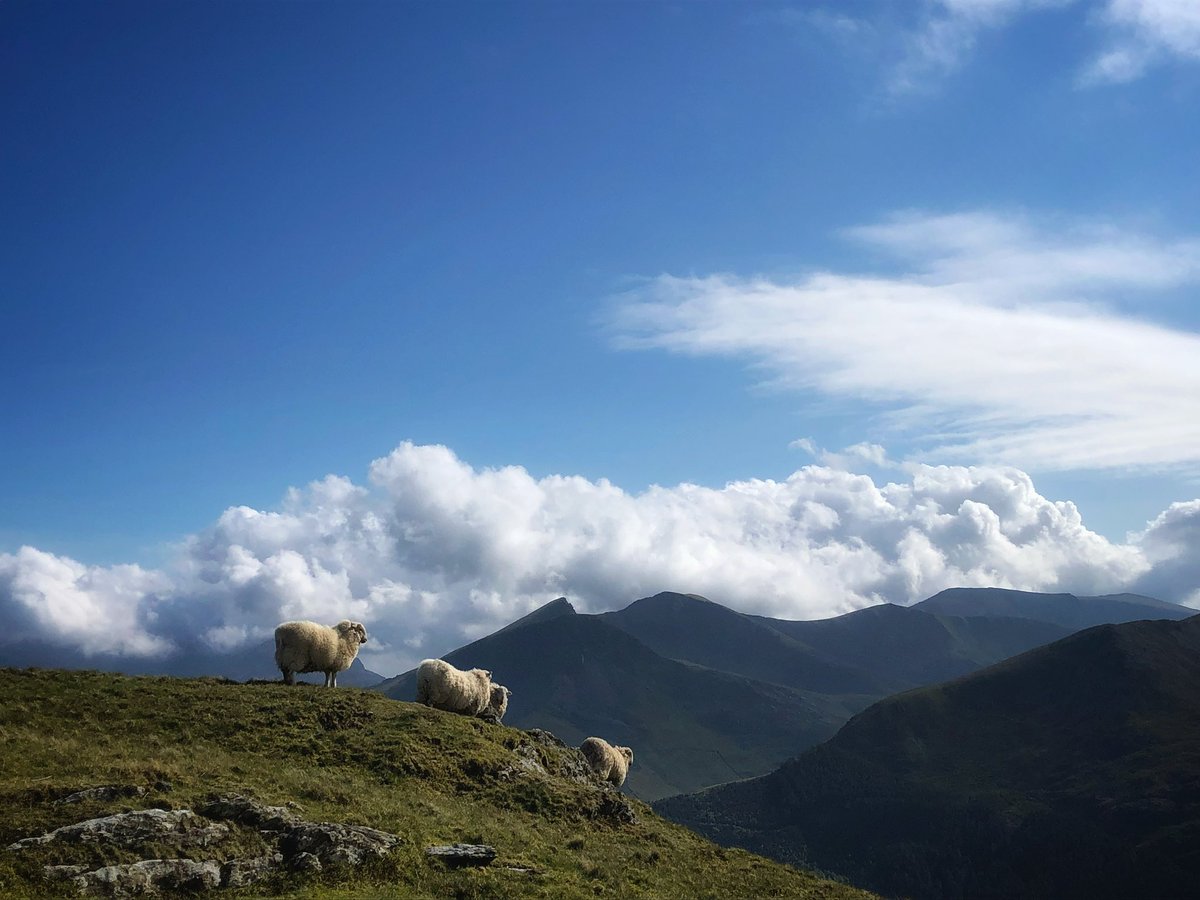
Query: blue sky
point(252, 245)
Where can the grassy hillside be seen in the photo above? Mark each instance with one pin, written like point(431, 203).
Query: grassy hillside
point(344, 756)
point(1070, 771)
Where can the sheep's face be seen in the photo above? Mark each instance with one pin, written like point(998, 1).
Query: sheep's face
point(352, 631)
point(627, 753)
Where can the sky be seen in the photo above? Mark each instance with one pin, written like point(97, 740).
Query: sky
point(426, 314)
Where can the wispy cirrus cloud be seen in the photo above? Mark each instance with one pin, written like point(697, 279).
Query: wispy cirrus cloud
point(997, 339)
point(1143, 33)
point(941, 36)
point(945, 36)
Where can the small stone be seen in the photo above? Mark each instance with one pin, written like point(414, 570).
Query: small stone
point(463, 854)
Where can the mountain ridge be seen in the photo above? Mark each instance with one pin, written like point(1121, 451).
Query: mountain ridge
point(1072, 770)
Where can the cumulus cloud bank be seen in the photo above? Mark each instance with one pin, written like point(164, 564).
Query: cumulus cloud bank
point(998, 339)
point(431, 553)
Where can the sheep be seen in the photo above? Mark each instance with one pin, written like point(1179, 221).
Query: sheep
point(609, 762)
point(497, 705)
point(442, 686)
point(309, 647)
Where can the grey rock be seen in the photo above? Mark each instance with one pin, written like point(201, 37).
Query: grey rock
point(151, 876)
point(245, 811)
point(613, 805)
point(180, 827)
point(332, 842)
point(541, 736)
point(457, 855)
point(241, 872)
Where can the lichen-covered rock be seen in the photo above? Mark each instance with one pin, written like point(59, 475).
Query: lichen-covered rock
point(178, 827)
point(332, 842)
point(151, 876)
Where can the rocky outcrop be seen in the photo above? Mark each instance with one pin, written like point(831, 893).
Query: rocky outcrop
point(296, 844)
point(150, 876)
point(333, 843)
point(605, 802)
point(176, 827)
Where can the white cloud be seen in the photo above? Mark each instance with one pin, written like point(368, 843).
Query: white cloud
point(1170, 544)
point(1144, 33)
point(998, 341)
point(944, 34)
point(433, 553)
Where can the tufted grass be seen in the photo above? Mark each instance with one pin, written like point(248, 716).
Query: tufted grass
point(347, 756)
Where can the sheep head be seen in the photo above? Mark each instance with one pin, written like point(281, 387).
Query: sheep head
point(352, 630)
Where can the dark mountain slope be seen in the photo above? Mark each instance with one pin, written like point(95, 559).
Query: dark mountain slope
point(1067, 610)
point(911, 647)
point(1070, 771)
point(552, 610)
point(689, 726)
point(690, 628)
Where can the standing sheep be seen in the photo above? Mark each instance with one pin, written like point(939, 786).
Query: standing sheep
point(309, 647)
point(497, 705)
point(609, 762)
point(442, 686)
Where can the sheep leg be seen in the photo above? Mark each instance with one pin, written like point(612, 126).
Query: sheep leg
point(287, 677)
point(331, 679)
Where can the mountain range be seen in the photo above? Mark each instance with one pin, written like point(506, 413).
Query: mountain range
point(1072, 770)
point(706, 694)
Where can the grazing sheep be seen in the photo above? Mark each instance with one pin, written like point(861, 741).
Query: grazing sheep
point(498, 704)
point(309, 647)
point(609, 762)
point(442, 686)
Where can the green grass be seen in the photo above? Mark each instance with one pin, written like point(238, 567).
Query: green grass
point(345, 756)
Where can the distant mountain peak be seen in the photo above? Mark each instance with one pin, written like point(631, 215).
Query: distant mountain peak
point(544, 613)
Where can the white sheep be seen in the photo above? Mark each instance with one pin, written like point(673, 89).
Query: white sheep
point(442, 686)
point(498, 704)
point(609, 762)
point(309, 647)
